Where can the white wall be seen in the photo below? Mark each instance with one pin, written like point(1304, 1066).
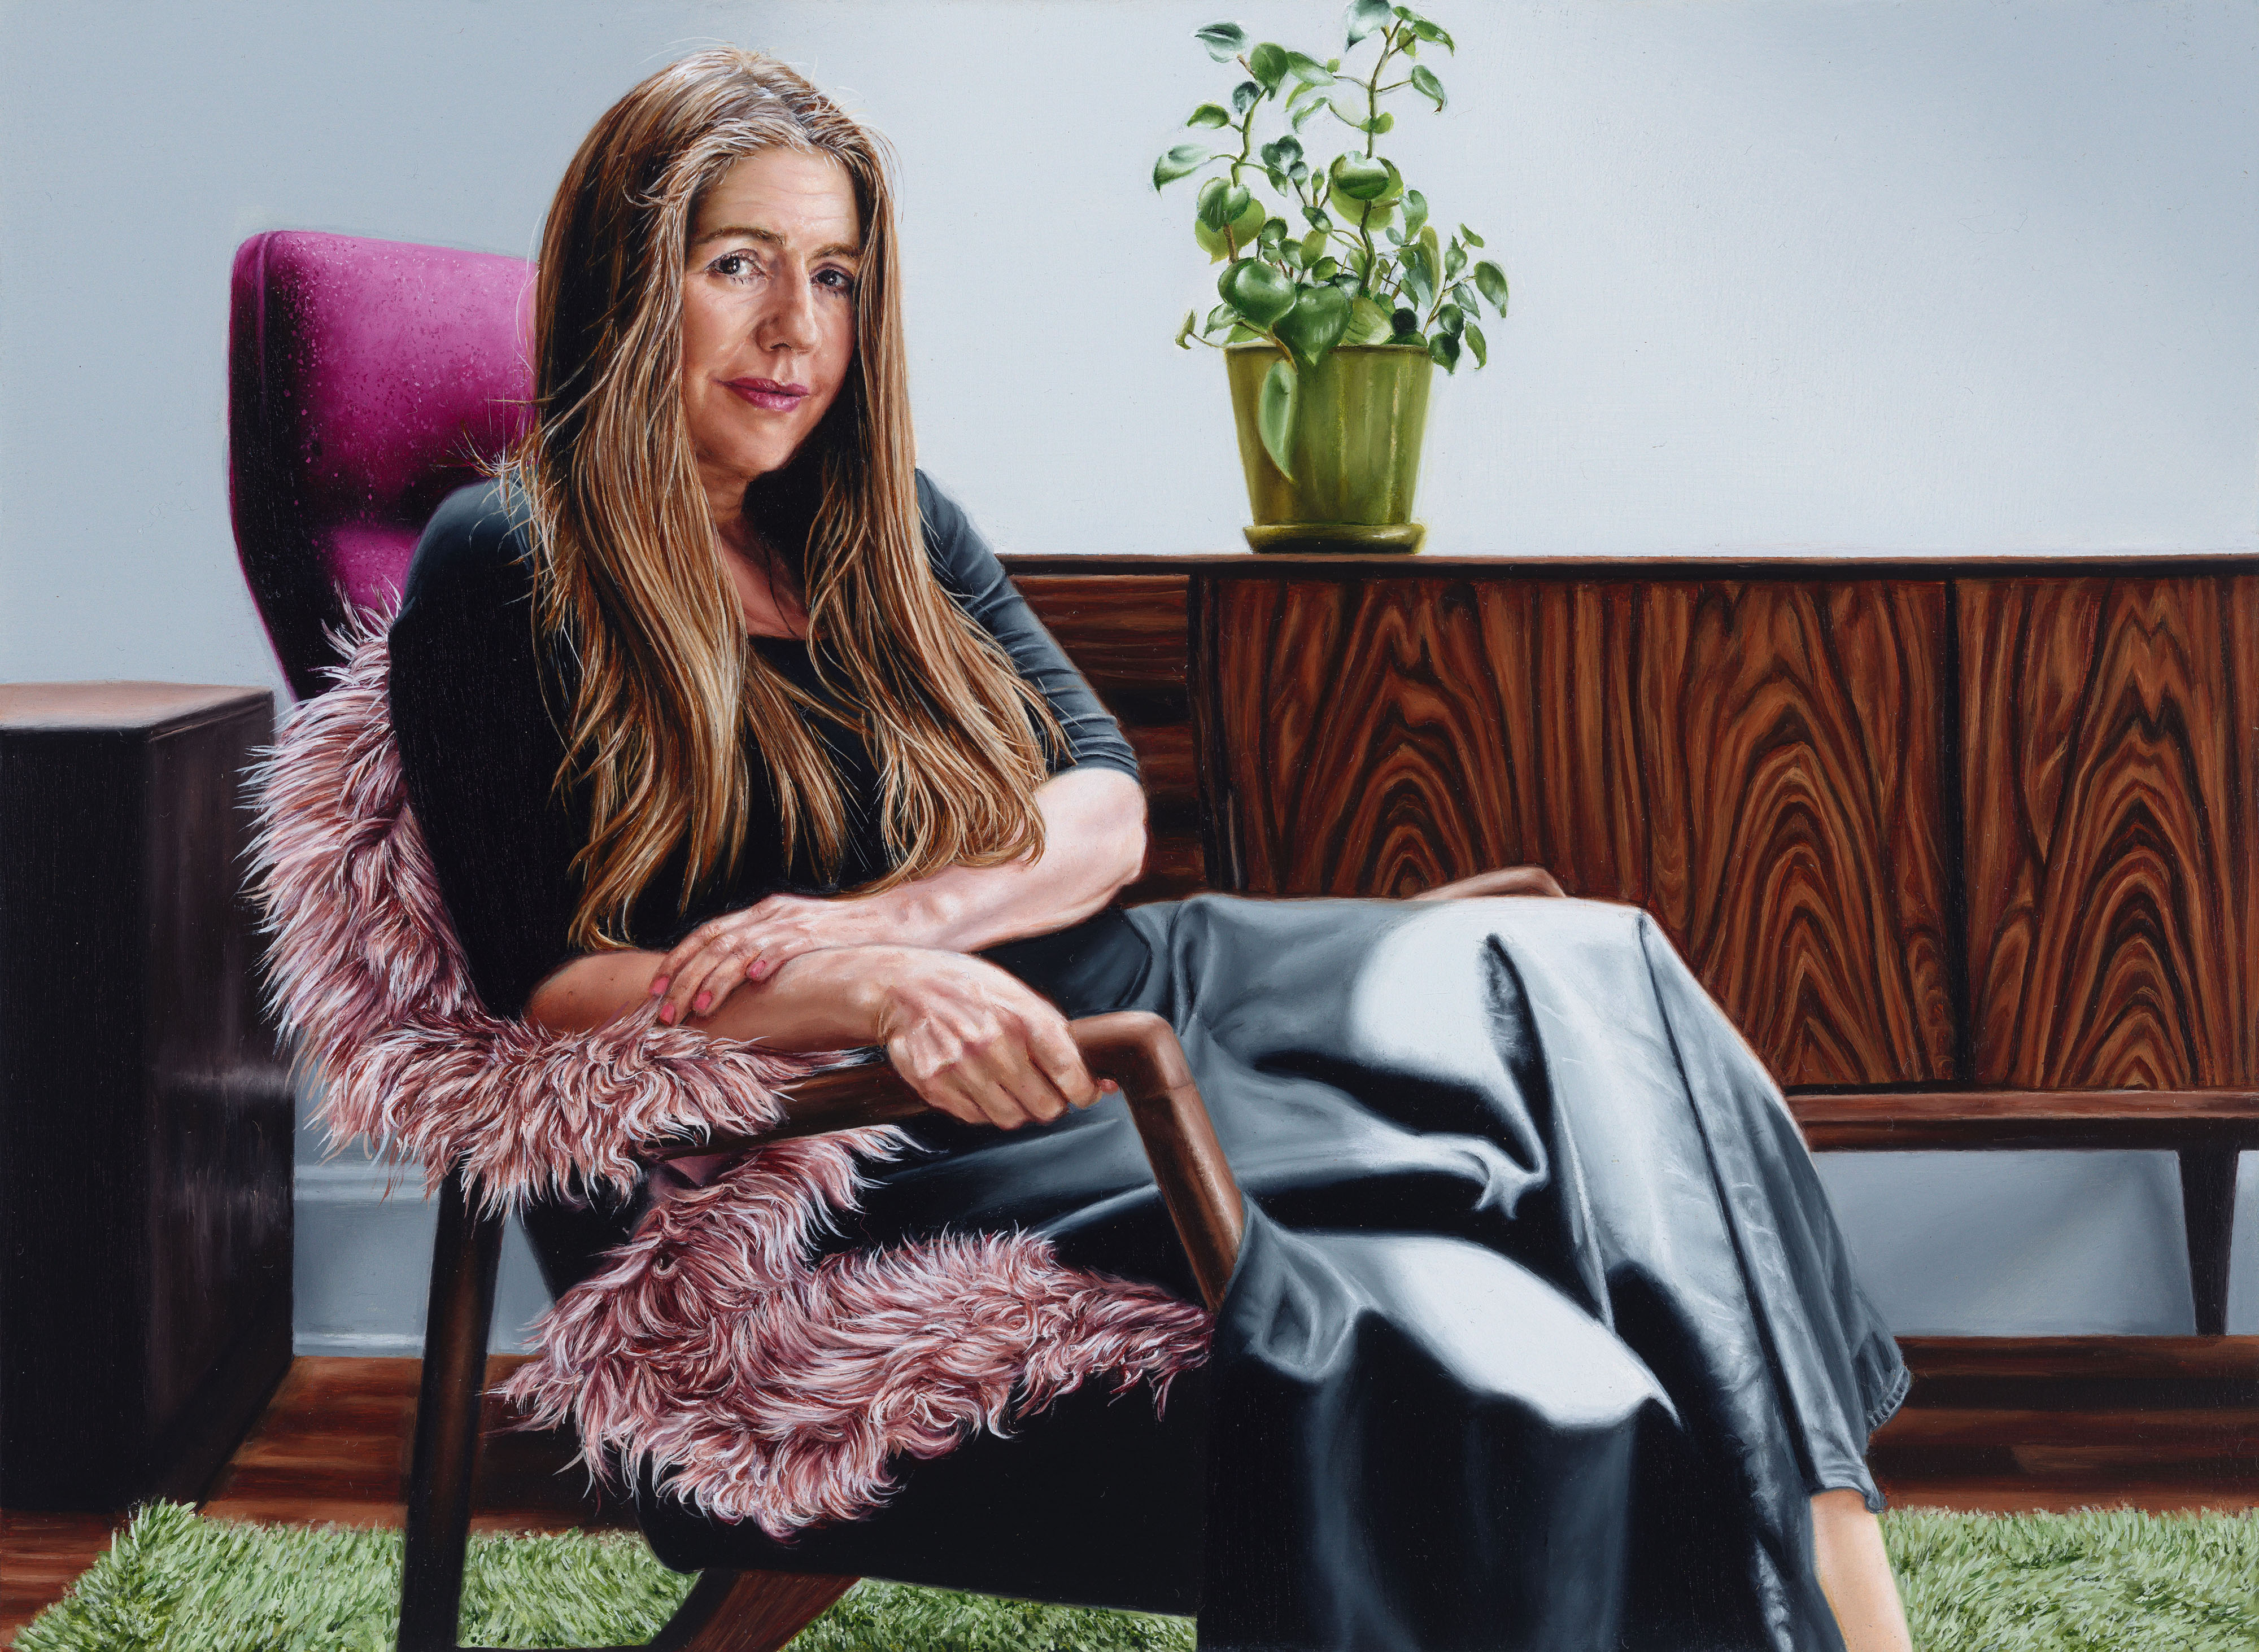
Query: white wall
point(1788, 273)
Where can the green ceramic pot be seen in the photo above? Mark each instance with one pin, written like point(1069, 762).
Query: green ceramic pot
point(1356, 450)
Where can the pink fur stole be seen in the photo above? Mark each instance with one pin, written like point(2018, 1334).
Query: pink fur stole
point(763, 1386)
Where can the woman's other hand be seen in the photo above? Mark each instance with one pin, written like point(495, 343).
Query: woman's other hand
point(752, 945)
point(976, 1042)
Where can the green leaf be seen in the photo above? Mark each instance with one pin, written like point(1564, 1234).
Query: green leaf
point(1237, 200)
point(1428, 30)
point(1366, 17)
point(1242, 333)
point(1224, 40)
point(1424, 82)
point(1218, 317)
point(1454, 261)
point(1317, 218)
point(1451, 318)
point(1405, 323)
point(1209, 114)
point(1279, 180)
point(1415, 211)
point(1368, 323)
point(1315, 324)
point(1379, 122)
point(1273, 231)
point(1181, 161)
point(1256, 291)
point(1308, 70)
point(1184, 332)
point(1360, 178)
point(1301, 116)
point(1420, 274)
point(1446, 350)
point(1491, 280)
point(1469, 236)
point(1268, 64)
point(1290, 254)
point(1289, 150)
point(1210, 205)
point(1325, 269)
point(1244, 96)
point(1464, 298)
point(1314, 247)
point(1299, 171)
point(1274, 415)
point(1478, 343)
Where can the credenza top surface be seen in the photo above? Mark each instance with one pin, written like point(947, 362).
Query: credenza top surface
point(1804, 565)
point(118, 707)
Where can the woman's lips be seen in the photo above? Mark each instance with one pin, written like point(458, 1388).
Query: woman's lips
point(768, 393)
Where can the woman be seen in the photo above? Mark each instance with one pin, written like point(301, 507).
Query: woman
point(1543, 1334)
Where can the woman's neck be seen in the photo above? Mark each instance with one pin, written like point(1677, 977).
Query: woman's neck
point(768, 597)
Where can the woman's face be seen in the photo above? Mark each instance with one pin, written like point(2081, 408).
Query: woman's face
point(768, 313)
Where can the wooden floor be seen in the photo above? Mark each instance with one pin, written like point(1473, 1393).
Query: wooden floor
point(2160, 1423)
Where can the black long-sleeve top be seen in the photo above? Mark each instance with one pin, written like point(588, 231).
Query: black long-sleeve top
point(480, 743)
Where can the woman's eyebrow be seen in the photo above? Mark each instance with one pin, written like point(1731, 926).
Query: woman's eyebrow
point(835, 250)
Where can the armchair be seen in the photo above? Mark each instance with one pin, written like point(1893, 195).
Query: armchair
point(368, 379)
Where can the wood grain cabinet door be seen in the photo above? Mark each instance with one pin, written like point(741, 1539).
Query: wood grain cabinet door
point(1759, 763)
point(2110, 745)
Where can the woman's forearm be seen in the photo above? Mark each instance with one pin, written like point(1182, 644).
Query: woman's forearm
point(828, 1000)
point(1094, 844)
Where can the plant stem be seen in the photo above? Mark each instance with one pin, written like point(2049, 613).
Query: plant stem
point(1371, 115)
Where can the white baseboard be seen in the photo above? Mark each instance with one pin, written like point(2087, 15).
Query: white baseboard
point(363, 1265)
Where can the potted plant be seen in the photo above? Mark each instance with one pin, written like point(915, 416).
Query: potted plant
point(1340, 300)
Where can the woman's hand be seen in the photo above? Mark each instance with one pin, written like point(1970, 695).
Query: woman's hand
point(725, 953)
point(976, 1041)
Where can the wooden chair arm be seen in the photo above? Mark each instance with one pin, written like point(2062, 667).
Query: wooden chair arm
point(1136, 1049)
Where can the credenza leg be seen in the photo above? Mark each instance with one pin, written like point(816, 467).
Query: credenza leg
point(2208, 1208)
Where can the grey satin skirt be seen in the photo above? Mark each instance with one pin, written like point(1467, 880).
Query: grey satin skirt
point(1543, 1337)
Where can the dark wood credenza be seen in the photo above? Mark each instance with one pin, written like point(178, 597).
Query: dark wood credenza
point(146, 1119)
point(1965, 849)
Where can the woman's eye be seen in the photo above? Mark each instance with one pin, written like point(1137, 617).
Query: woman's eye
point(837, 280)
point(736, 266)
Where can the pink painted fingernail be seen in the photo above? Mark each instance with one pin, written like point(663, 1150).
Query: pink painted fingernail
point(698, 1004)
point(666, 1014)
point(658, 987)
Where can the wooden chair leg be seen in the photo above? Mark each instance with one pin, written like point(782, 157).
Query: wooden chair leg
point(748, 1611)
point(466, 1255)
point(2208, 1210)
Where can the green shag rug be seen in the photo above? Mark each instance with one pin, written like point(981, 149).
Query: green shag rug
point(175, 1582)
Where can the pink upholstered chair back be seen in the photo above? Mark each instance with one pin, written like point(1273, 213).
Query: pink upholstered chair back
point(367, 380)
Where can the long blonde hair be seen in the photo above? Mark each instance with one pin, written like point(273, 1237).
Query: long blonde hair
point(628, 576)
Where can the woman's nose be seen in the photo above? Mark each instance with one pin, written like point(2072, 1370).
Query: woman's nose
point(788, 324)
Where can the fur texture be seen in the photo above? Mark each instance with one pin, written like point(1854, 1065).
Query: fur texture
point(760, 1386)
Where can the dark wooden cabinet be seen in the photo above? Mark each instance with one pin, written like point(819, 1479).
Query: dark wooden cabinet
point(1966, 848)
point(144, 1119)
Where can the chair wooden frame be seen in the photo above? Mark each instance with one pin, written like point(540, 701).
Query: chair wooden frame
point(758, 1612)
